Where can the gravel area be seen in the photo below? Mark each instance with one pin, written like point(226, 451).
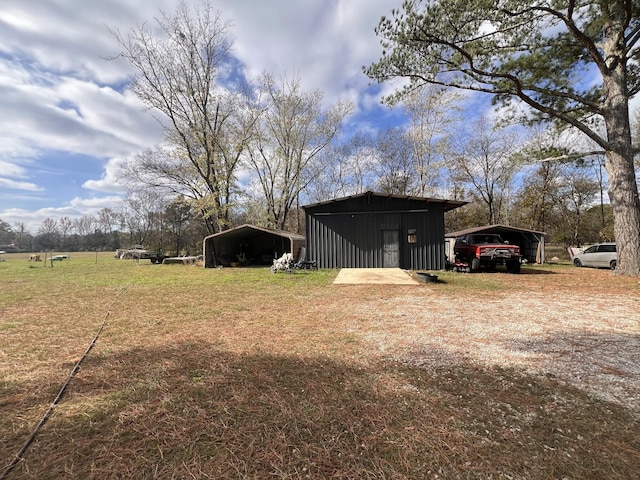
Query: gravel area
point(591, 345)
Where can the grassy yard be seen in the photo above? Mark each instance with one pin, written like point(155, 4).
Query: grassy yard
point(238, 373)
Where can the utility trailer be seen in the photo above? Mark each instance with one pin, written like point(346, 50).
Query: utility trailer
point(139, 253)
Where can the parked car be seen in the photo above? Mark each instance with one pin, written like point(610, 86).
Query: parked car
point(602, 255)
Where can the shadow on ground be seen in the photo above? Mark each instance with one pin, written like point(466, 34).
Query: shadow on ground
point(192, 409)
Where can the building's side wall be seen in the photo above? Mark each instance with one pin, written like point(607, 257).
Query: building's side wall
point(428, 253)
point(348, 241)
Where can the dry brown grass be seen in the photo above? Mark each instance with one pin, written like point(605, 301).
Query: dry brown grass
point(242, 374)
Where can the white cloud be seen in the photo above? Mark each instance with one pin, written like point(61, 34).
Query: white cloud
point(32, 219)
point(634, 106)
point(96, 204)
point(59, 93)
point(102, 123)
point(77, 208)
point(13, 185)
point(12, 170)
point(109, 181)
point(70, 37)
point(326, 43)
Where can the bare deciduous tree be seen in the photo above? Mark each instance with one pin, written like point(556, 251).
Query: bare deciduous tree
point(483, 159)
point(49, 232)
point(395, 162)
point(65, 225)
point(142, 216)
point(433, 114)
point(107, 219)
point(291, 132)
point(535, 203)
point(177, 77)
point(573, 197)
point(348, 169)
point(84, 225)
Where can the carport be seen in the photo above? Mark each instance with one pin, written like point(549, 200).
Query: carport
point(531, 243)
point(249, 245)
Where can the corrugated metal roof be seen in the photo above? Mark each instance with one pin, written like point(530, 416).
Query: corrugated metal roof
point(447, 204)
point(487, 228)
point(242, 230)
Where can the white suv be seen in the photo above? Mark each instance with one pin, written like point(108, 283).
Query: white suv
point(600, 255)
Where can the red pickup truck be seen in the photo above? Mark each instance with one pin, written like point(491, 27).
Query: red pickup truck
point(476, 251)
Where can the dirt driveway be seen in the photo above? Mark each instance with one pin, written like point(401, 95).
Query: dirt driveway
point(579, 325)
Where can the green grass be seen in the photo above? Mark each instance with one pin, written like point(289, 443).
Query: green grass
point(557, 250)
point(239, 373)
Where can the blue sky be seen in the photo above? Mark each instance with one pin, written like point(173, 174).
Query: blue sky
point(68, 118)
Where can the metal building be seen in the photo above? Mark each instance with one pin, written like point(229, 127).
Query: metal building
point(249, 245)
point(376, 230)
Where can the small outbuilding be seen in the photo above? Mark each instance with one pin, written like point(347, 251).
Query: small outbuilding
point(249, 245)
point(531, 242)
point(376, 230)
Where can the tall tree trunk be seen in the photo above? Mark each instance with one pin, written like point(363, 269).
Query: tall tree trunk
point(623, 186)
point(623, 194)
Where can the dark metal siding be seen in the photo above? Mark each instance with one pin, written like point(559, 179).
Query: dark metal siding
point(428, 253)
point(342, 236)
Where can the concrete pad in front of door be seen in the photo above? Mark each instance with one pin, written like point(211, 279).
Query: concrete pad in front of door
point(388, 276)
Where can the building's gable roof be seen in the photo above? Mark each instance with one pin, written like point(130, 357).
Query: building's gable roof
point(447, 204)
point(243, 230)
point(490, 229)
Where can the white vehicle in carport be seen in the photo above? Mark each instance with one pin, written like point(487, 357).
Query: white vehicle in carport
point(602, 255)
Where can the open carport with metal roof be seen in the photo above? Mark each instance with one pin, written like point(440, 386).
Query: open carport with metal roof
point(531, 242)
point(249, 245)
